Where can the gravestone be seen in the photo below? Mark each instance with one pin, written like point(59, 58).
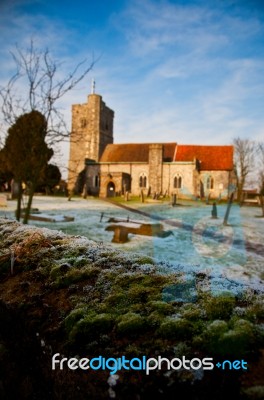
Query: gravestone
point(3, 200)
point(214, 211)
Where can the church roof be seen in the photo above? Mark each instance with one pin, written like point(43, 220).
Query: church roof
point(135, 152)
point(211, 157)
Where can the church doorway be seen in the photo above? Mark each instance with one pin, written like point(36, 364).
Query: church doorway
point(110, 189)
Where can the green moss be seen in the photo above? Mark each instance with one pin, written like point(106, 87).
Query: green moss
point(161, 307)
point(140, 293)
point(256, 311)
point(232, 343)
point(176, 329)
point(182, 349)
point(116, 302)
point(237, 341)
point(81, 262)
point(91, 326)
point(145, 260)
point(215, 329)
point(155, 319)
point(219, 307)
point(125, 280)
point(75, 275)
point(74, 316)
point(253, 393)
point(191, 312)
point(131, 323)
point(158, 280)
point(56, 272)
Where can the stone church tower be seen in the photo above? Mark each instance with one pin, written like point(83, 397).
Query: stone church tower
point(92, 130)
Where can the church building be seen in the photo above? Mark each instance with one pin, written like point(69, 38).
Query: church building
point(99, 167)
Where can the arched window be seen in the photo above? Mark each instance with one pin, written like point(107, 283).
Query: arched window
point(210, 183)
point(96, 181)
point(142, 181)
point(177, 182)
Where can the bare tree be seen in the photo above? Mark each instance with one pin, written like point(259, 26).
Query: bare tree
point(261, 175)
point(42, 88)
point(244, 157)
point(40, 77)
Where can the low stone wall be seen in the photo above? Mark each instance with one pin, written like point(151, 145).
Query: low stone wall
point(69, 295)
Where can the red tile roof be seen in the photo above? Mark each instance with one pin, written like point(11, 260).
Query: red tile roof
point(211, 157)
point(134, 152)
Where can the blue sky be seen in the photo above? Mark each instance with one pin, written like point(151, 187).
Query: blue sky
point(174, 70)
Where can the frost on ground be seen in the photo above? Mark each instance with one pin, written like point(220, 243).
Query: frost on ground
point(231, 257)
point(70, 290)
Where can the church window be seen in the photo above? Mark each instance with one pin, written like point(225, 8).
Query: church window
point(96, 181)
point(177, 182)
point(210, 182)
point(142, 181)
point(83, 123)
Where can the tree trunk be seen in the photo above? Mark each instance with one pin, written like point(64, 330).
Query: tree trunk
point(29, 203)
point(240, 187)
point(19, 200)
point(261, 198)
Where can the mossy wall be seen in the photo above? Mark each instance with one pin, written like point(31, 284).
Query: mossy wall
point(67, 294)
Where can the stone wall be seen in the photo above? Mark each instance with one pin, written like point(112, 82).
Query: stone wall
point(222, 183)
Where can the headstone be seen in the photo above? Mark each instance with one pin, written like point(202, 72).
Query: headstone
point(14, 189)
point(3, 200)
point(214, 211)
point(228, 208)
point(174, 200)
point(120, 235)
